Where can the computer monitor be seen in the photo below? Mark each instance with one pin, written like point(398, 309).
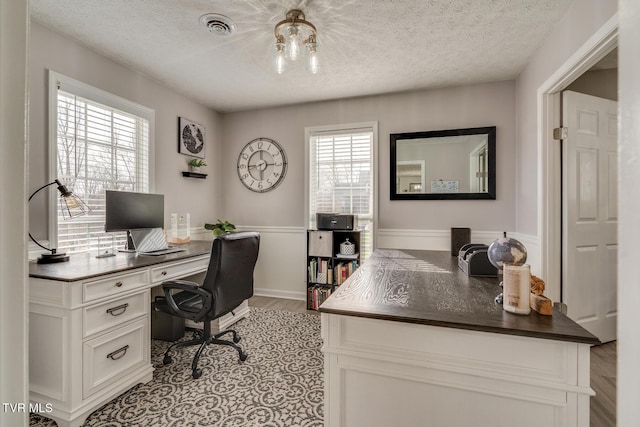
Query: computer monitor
point(125, 211)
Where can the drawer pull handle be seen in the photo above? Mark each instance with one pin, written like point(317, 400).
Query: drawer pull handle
point(119, 284)
point(113, 354)
point(164, 273)
point(123, 307)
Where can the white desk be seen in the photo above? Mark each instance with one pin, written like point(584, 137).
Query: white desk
point(89, 326)
point(410, 340)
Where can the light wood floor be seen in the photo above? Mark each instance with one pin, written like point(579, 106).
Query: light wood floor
point(603, 382)
point(603, 365)
point(280, 304)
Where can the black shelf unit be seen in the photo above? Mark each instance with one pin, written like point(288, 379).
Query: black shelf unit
point(194, 174)
point(327, 268)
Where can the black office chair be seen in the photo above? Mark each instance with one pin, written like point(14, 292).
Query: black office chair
point(228, 282)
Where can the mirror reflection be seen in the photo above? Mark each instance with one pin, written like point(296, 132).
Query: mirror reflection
point(449, 164)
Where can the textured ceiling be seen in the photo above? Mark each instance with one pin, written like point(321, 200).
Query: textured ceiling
point(366, 47)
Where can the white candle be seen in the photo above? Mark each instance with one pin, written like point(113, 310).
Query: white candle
point(516, 288)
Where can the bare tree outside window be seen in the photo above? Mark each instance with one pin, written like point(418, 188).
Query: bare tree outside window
point(341, 180)
point(98, 148)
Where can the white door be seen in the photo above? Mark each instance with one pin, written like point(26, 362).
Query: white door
point(590, 212)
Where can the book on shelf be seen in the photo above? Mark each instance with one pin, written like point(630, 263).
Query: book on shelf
point(316, 295)
point(343, 270)
point(319, 271)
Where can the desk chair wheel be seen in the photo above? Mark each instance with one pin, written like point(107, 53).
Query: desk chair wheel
point(167, 360)
point(236, 338)
point(197, 373)
point(243, 356)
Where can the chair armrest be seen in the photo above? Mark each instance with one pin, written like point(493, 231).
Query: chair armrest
point(192, 288)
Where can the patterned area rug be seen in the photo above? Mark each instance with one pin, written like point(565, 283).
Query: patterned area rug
point(280, 384)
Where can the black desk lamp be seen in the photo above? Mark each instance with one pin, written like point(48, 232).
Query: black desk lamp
point(72, 206)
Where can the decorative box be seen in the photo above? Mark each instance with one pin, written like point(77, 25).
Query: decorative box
point(347, 248)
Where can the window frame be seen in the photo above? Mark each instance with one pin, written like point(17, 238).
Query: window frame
point(372, 127)
point(78, 88)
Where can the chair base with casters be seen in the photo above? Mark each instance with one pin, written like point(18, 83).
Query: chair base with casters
point(205, 338)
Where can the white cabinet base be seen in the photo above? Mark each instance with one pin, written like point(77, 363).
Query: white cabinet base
point(90, 339)
point(385, 373)
point(76, 417)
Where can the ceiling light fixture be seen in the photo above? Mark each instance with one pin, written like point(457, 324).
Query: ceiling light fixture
point(292, 35)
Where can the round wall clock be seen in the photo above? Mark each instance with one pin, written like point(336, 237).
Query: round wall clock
point(262, 165)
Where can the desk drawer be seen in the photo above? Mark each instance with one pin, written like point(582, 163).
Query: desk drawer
point(179, 269)
point(112, 356)
point(113, 285)
point(115, 312)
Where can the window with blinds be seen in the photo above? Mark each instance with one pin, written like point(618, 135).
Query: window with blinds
point(341, 178)
point(98, 148)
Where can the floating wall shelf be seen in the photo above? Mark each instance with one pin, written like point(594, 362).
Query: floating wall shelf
point(194, 174)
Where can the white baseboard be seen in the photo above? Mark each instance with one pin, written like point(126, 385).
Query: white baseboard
point(274, 293)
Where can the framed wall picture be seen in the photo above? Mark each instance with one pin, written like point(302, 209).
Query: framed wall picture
point(191, 138)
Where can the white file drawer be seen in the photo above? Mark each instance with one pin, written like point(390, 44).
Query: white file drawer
point(179, 269)
point(114, 284)
point(321, 243)
point(103, 316)
point(112, 356)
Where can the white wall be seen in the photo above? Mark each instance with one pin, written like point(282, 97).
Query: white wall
point(460, 107)
point(14, 385)
point(582, 19)
point(601, 83)
point(629, 210)
point(51, 50)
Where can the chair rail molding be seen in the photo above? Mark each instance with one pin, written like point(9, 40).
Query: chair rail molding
point(440, 240)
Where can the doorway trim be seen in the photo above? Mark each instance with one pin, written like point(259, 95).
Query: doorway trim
point(549, 176)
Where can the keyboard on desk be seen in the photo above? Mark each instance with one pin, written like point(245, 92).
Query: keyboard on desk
point(159, 252)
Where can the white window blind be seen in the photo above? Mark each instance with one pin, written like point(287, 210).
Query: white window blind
point(341, 178)
point(98, 148)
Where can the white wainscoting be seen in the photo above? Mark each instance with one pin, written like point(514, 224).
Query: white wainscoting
point(281, 270)
point(440, 240)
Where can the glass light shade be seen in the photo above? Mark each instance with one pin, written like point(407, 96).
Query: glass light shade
point(280, 62)
point(293, 42)
point(72, 206)
point(312, 58)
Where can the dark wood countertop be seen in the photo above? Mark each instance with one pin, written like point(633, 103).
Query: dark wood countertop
point(427, 287)
point(86, 265)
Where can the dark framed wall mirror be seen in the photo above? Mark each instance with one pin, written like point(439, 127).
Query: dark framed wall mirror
point(455, 164)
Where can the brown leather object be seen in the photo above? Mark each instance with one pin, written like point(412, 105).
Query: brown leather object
point(537, 285)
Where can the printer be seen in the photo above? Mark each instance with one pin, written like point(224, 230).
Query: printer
point(335, 221)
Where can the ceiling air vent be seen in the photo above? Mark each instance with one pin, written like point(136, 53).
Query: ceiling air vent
point(217, 24)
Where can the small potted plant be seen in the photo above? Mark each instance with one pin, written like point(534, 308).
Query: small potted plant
point(220, 227)
point(196, 164)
